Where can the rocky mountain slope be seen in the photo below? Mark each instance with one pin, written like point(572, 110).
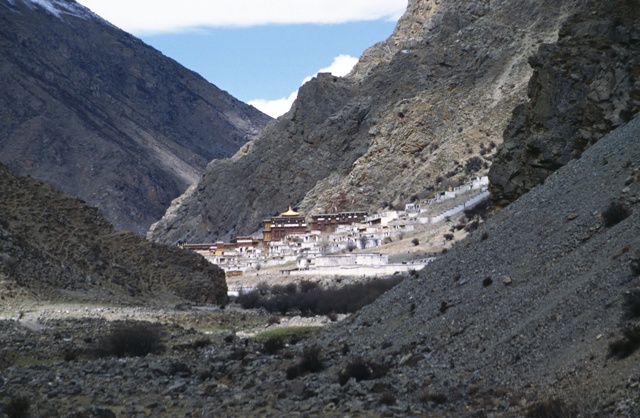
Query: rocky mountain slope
point(517, 320)
point(421, 111)
point(584, 86)
point(55, 247)
point(103, 116)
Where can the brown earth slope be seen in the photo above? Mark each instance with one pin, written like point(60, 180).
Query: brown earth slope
point(55, 247)
point(103, 116)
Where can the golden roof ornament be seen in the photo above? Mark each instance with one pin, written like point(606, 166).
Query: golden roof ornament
point(290, 212)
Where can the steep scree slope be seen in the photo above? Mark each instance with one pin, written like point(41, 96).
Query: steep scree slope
point(103, 116)
point(525, 307)
point(410, 119)
point(584, 86)
point(55, 247)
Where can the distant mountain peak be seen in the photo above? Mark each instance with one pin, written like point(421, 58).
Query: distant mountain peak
point(58, 8)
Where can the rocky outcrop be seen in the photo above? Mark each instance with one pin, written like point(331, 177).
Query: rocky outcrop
point(55, 247)
point(583, 86)
point(105, 117)
point(421, 111)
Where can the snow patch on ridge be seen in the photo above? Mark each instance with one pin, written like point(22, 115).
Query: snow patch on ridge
point(60, 7)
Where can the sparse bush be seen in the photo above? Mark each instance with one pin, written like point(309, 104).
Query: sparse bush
point(263, 288)
point(448, 237)
point(552, 408)
point(484, 236)
point(249, 300)
point(634, 265)
point(272, 345)
point(438, 398)
point(201, 343)
point(133, 340)
point(388, 398)
point(627, 345)
point(615, 213)
point(632, 303)
point(273, 320)
point(443, 307)
point(357, 369)
point(333, 317)
point(480, 209)
point(291, 289)
point(293, 372)
point(320, 301)
point(473, 164)
point(488, 281)
point(310, 362)
point(361, 369)
point(17, 407)
point(237, 354)
point(306, 286)
point(178, 368)
point(415, 241)
point(345, 349)
point(471, 226)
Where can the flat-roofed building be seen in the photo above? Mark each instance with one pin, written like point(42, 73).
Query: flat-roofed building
point(328, 222)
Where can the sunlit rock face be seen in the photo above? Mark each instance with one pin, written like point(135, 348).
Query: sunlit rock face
point(583, 87)
point(421, 111)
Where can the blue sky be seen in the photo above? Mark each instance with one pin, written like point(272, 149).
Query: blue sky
point(259, 51)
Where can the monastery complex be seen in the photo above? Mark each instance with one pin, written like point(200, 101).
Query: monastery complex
point(326, 245)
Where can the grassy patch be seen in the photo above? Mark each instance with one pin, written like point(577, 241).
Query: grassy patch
point(285, 333)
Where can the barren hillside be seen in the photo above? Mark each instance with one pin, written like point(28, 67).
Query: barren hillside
point(105, 117)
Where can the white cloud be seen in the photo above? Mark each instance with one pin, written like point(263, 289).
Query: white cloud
point(340, 66)
point(156, 16)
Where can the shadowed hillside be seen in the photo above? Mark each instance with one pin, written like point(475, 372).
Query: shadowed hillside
point(55, 247)
point(103, 116)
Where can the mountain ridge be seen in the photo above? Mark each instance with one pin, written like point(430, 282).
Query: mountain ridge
point(105, 117)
